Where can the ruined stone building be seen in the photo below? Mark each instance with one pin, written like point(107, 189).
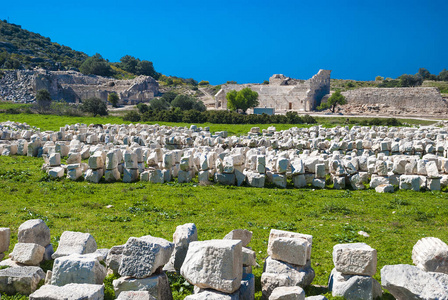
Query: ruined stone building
point(71, 86)
point(284, 93)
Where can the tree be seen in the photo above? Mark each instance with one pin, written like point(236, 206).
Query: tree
point(204, 82)
point(94, 106)
point(43, 99)
point(336, 99)
point(379, 78)
point(169, 96)
point(443, 75)
point(128, 63)
point(113, 99)
point(96, 65)
point(185, 102)
point(142, 108)
point(158, 104)
point(410, 80)
point(146, 68)
point(425, 74)
point(244, 99)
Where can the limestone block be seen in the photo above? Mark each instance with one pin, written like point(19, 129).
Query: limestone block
point(353, 287)
point(299, 181)
point(72, 291)
point(385, 188)
point(249, 257)
point(22, 280)
point(56, 172)
point(186, 163)
point(29, 254)
point(5, 237)
point(310, 164)
point(279, 180)
point(74, 171)
point(270, 281)
point(298, 275)
point(288, 293)
point(240, 177)
point(421, 167)
point(338, 182)
point(111, 160)
point(319, 297)
point(184, 176)
point(213, 295)
point(377, 180)
point(410, 182)
point(142, 256)
point(94, 176)
point(77, 268)
point(275, 233)
point(255, 179)
point(135, 295)
point(182, 237)
point(432, 170)
point(130, 175)
point(112, 175)
point(320, 171)
point(203, 177)
point(113, 258)
point(34, 231)
point(73, 158)
point(260, 165)
point(399, 165)
point(130, 160)
point(227, 165)
point(72, 242)
point(290, 250)
point(410, 282)
point(433, 184)
point(96, 161)
point(243, 235)
point(225, 179)
point(318, 183)
point(431, 254)
point(357, 182)
point(157, 285)
point(282, 165)
point(209, 271)
point(355, 258)
point(155, 176)
point(54, 160)
point(381, 168)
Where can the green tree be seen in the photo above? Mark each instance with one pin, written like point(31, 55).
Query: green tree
point(185, 102)
point(159, 104)
point(142, 108)
point(146, 68)
point(96, 65)
point(336, 99)
point(379, 78)
point(43, 99)
point(94, 106)
point(425, 74)
point(132, 116)
point(113, 99)
point(204, 82)
point(443, 75)
point(244, 99)
point(169, 96)
point(128, 63)
point(410, 80)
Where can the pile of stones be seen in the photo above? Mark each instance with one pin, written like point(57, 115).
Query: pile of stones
point(378, 157)
point(428, 279)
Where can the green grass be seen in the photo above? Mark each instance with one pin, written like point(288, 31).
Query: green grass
point(395, 222)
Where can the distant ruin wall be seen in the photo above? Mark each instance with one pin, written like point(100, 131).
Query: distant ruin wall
point(284, 93)
point(71, 86)
point(426, 100)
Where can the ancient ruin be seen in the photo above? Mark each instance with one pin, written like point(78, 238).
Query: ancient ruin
point(284, 93)
point(73, 87)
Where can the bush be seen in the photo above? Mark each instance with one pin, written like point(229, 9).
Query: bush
point(96, 65)
point(204, 82)
point(94, 106)
point(158, 104)
point(43, 99)
point(113, 99)
point(142, 108)
point(132, 116)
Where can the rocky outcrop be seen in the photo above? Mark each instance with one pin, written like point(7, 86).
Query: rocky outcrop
point(70, 86)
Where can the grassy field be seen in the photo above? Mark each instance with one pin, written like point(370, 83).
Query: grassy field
point(395, 222)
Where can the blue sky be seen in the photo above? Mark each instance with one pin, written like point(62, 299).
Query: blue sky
point(248, 41)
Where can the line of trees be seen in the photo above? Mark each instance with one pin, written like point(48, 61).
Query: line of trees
point(407, 80)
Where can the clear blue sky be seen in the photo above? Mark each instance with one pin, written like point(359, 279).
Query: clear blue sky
point(248, 41)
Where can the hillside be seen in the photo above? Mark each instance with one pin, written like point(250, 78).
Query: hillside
point(20, 48)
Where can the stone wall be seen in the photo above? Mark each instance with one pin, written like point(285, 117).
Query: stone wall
point(417, 100)
point(284, 93)
point(71, 86)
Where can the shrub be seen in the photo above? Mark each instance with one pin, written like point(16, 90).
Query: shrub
point(132, 116)
point(142, 108)
point(113, 99)
point(94, 106)
point(204, 82)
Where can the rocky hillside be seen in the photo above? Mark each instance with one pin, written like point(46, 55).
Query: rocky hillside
point(20, 48)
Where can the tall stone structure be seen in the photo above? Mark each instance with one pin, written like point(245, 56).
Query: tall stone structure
point(284, 93)
point(71, 86)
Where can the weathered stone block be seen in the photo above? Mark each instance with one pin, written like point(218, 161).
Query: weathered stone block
point(275, 233)
point(72, 242)
point(142, 256)
point(354, 287)
point(431, 254)
point(182, 237)
point(5, 237)
point(72, 291)
point(355, 258)
point(77, 269)
point(209, 271)
point(57, 172)
point(299, 181)
point(135, 295)
point(22, 280)
point(298, 275)
point(28, 254)
point(243, 235)
point(287, 293)
point(113, 258)
point(157, 285)
point(290, 250)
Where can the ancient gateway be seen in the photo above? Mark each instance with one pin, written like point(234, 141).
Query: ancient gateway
point(284, 93)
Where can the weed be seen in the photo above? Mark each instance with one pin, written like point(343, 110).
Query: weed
point(423, 216)
point(259, 201)
point(282, 225)
point(397, 202)
point(336, 208)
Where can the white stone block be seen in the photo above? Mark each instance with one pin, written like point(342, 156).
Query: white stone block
point(77, 268)
point(431, 255)
point(72, 242)
point(355, 259)
point(290, 250)
point(72, 291)
point(34, 231)
point(29, 254)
